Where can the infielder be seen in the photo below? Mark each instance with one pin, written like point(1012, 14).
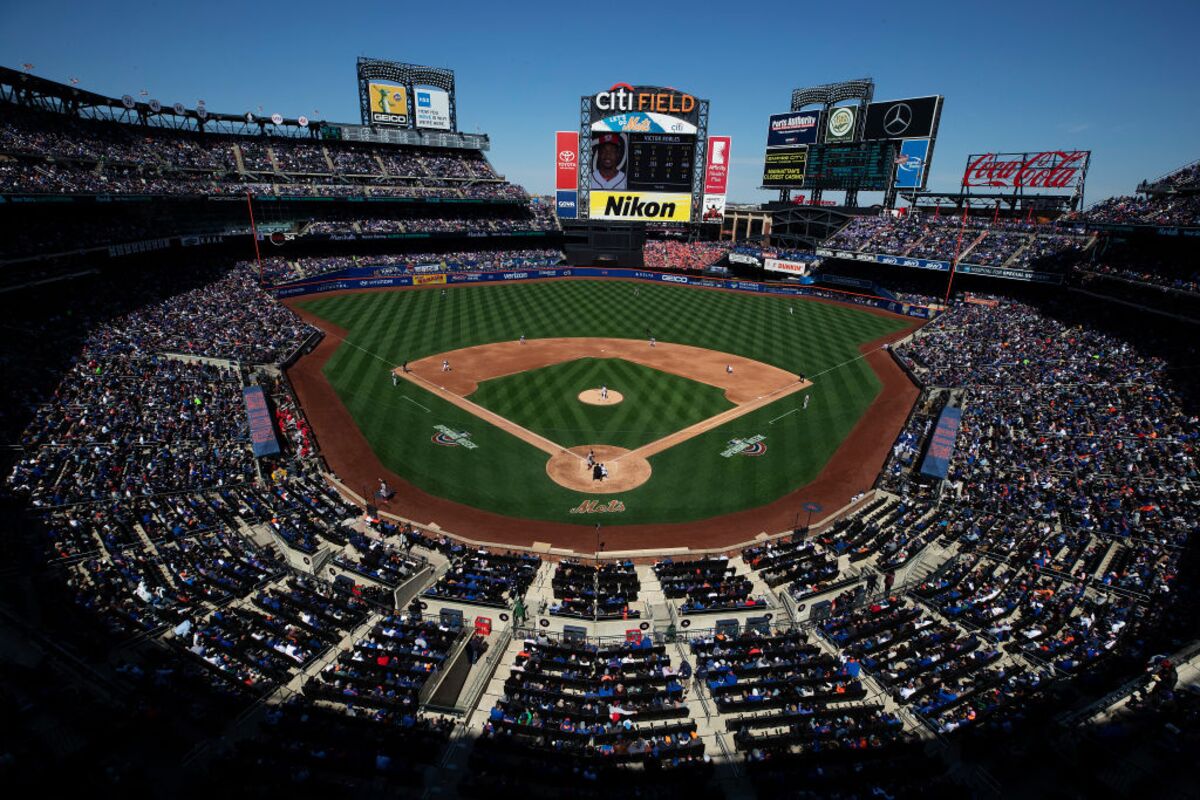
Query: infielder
point(445, 365)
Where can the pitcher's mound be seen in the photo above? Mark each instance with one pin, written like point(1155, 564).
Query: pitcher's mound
point(569, 468)
point(592, 397)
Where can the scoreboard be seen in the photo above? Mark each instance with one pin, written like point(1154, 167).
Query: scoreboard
point(850, 166)
point(660, 162)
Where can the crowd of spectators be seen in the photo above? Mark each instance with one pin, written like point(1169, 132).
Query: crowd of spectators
point(595, 592)
point(1008, 243)
point(47, 152)
point(673, 254)
point(277, 269)
point(707, 584)
point(534, 217)
point(577, 716)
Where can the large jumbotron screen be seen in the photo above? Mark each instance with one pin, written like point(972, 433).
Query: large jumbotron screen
point(642, 143)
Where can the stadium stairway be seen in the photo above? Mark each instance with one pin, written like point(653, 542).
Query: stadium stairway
point(962, 256)
point(710, 727)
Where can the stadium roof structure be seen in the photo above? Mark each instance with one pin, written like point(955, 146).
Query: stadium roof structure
point(24, 89)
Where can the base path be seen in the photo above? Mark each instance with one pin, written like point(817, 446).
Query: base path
point(592, 397)
point(750, 386)
point(625, 470)
point(472, 365)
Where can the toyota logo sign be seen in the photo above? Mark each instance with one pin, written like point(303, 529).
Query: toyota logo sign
point(566, 155)
point(897, 119)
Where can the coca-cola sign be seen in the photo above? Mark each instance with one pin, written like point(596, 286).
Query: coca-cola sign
point(1050, 169)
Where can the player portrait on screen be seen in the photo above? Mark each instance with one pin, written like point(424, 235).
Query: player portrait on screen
point(609, 155)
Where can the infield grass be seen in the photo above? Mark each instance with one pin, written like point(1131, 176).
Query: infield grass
point(690, 481)
point(655, 404)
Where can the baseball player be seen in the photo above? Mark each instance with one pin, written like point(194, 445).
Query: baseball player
point(652, 341)
point(591, 459)
point(603, 472)
point(445, 365)
point(395, 380)
point(522, 338)
point(603, 391)
point(729, 369)
point(806, 401)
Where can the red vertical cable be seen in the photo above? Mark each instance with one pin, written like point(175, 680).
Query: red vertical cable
point(957, 250)
point(254, 234)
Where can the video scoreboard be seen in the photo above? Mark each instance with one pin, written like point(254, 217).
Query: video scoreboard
point(854, 166)
point(660, 162)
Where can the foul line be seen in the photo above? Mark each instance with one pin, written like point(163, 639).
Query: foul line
point(415, 403)
point(781, 416)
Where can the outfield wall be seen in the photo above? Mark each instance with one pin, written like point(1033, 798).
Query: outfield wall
point(376, 278)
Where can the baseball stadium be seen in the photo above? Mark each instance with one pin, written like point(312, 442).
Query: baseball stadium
point(339, 463)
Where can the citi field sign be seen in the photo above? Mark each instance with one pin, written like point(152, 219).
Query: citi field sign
point(625, 99)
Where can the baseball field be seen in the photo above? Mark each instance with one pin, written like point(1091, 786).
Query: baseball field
point(740, 400)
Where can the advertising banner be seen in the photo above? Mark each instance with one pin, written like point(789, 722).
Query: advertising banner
point(911, 118)
point(910, 164)
point(262, 429)
point(794, 129)
point(1049, 169)
point(713, 208)
point(840, 124)
point(389, 103)
point(566, 160)
point(640, 206)
point(566, 204)
point(790, 267)
point(431, 108)
point(316, 287)
point(716, 170)
point(941, 444)
point(428, 280)
point(785, 167)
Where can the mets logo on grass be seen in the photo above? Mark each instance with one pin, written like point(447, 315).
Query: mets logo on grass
point(753, 446)
point(448, 437)
point(596, 507)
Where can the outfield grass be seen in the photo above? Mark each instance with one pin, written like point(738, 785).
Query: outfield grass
point(655, 404)
point(691, 480)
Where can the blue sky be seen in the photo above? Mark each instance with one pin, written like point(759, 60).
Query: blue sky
point(1116, 78)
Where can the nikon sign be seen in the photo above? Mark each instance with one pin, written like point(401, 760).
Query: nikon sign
point(640, 206)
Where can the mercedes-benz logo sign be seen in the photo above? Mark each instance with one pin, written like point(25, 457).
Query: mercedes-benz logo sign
point(897, 119)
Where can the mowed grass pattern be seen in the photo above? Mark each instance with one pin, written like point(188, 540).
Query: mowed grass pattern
point(691, 481)
point(655, 403)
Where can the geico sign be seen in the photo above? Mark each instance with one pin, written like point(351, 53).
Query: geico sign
point(641, 206)
point(675, 278)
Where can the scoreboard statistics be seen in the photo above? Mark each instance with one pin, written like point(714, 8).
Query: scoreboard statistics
point(660, 162)
point(852, 166)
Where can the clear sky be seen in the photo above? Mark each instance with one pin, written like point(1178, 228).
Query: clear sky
point(1120, 79)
